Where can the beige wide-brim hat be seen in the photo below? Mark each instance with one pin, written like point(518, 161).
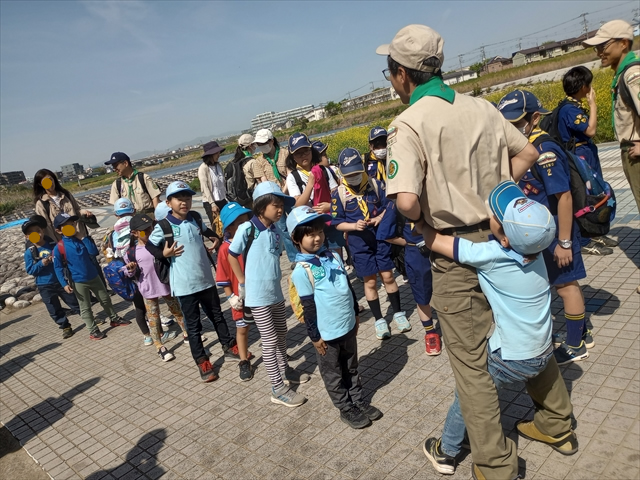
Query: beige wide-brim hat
point(612, 29)
point(412, 45)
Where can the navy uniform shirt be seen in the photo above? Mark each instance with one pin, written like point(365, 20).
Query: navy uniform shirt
point(573, 122)
point(387, 227)
point(352, 212)
point(375, 168)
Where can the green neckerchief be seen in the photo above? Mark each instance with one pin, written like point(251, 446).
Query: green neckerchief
point(433, 88)
point(247, 153)
point(129, 181)
point(631, 57)
point(273, 163)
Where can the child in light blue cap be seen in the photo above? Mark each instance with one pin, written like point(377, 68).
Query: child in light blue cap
point(513, 277)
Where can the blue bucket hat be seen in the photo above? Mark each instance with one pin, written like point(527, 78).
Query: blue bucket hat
point(303, 215)
point(177, 187)
point(319, 146)
point(161, 211)
point(515, 105)
point(376, 132)
point(230, 212)
point(265, 188)
point(123, 206)
point(528, 225)
point(350, 161)
point(297, 141)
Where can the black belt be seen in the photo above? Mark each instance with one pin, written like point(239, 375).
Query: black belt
point(466, 228)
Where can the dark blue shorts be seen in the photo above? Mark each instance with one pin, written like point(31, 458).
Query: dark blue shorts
point(419, 274)
point(370, 256)
point(575, 270)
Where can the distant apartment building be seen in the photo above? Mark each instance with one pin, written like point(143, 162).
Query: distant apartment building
point(460, 76)
point(271, 119)
point(71, 169)
point(315, 114)
point(377, 96)
point(12, 178)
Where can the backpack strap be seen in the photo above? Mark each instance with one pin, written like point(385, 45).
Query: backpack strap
point(342, 193)
point(34, 252)
point(536, 143)
point(374, 185)
point(119, 186)
point(47, 207)
point(167, 230)
point(140, 177)
point(250, 239)
point(307, 268)
point(623, 89)
point(62, 251)
point(298, 179)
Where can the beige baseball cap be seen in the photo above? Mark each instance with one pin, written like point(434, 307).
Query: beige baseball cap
point(412, 45)
point(245, 140)
point(612, 29)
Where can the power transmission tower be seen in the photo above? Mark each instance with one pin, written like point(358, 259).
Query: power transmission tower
point(585, 26)
point(484, 58)
point(460, 59)
point(519, 44)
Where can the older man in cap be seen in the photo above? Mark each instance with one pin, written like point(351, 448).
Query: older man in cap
point(612, 43)
point(445, 154)
point(138, 187)
point(212, 181)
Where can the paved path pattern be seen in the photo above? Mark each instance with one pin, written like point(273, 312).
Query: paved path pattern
point(113, 410)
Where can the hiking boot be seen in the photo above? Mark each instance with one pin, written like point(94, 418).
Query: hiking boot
point(432, 344)
point(595, 248)
point(293, 376)
point(232, 353)
point(566, 444)
point(120, 322)
point(165, 354)
point(442, 462)
point(246, 373)
point(148, 341)
point(206, 370)
point(368, 410)
point(287, 397)
point(97, 335)
point(354, 417)
point(606, 241)
point(170, 335)
point(382, 329)
point(565, 354)
point(67, 332)
point(402, 324)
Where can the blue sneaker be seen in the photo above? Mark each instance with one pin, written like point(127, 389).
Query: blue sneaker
point(382, 329)
point(170, 335)
point(148, 341)
point(402, 324)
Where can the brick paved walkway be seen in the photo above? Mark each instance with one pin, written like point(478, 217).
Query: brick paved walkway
point(111, 409)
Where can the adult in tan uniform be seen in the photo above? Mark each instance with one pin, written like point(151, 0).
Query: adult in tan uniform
point(612, 43)
point(136, 186)
point(270, 165)
point(446, 153)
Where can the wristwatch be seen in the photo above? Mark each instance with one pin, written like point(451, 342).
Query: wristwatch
point(566, 244)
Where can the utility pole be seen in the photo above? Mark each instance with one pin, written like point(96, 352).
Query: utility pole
point(484, 58)
point(585, 26)
point(372, 87)
point(460, 59)
point(519, 44)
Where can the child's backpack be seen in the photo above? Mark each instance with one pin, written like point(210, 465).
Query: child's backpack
point(236, 183)
point(118, 281)
point(594, 202)
point(622, 89)
point(294, 298)
point(549, 124)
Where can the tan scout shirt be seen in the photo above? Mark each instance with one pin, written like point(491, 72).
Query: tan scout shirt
point(626, 121)
point(451, 156)
point(250, 175)
point(262, 167)
point(140, 200)
point(67, 205)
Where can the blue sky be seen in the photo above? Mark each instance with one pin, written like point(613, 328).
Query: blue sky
point(79, 80)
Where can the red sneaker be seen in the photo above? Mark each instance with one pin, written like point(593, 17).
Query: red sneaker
point(206, 370)
point(432, 342)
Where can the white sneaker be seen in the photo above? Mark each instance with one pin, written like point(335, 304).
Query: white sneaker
point(287, 397)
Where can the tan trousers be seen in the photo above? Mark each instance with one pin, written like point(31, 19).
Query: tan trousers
point(631, 168)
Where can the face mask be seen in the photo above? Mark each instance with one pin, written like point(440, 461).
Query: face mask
point(380, 154)
point(264, 149)
point(354, 180)
point(523, 130)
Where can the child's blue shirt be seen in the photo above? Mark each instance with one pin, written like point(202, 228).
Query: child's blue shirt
point(44, 274)
point(78, 255)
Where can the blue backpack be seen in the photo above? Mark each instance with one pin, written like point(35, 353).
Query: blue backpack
point(118, 281)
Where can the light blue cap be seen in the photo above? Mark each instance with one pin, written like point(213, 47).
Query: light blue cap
point(230, 212)
point(123, 206)
point(265, 188)
point(161, 211)
point(177, 187)
point(302, 215)
point(528, 225)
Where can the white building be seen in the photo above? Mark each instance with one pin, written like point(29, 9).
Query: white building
point(377, 96)
point(315, 114)
point(459, 76)
point(268, 119)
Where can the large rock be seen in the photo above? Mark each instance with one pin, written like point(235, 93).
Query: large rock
point(10, 301)
point(37, 298)
point(21, 304)
point(7, 286)
point(27, 296)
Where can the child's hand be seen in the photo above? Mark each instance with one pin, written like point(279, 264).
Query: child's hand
point(131, 266)
point(360, 225)
point(321, 346)
point(68, 289)
point(241, 292)
point(235, 302)
point(216, 244)
point(322, 207)
point(174, 251)
point(374, 222)
point(47, 261)
point(562, 256)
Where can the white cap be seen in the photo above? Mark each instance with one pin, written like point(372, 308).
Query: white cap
point(612, 29)
point(245, 140)
point(263, 136)
point(412, 45)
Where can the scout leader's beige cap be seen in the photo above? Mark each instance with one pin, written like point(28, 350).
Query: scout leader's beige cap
point(612, 29)
point(412, 45)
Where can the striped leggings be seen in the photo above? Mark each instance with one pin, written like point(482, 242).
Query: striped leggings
point(272, 325)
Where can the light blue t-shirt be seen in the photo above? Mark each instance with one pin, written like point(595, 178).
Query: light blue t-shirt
point(262, 267)
point(334, 301)
point(191, 271)
point(519, 295)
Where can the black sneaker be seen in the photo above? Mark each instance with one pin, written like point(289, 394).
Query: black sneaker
point(97, 335)
point(595, 248)
point(353, 417)
point(442, 462)
point(246, 373)
point(369, 411)
point(165, 354)
point(606, 241)
point(67, 332)
point(565, 354)
point(120, 322)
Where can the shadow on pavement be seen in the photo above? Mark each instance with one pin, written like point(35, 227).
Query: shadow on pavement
point(622, 233)
point(6, 348)
point(15, 320)
point(11, 367)
point(29, 423)
point(144, 457)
